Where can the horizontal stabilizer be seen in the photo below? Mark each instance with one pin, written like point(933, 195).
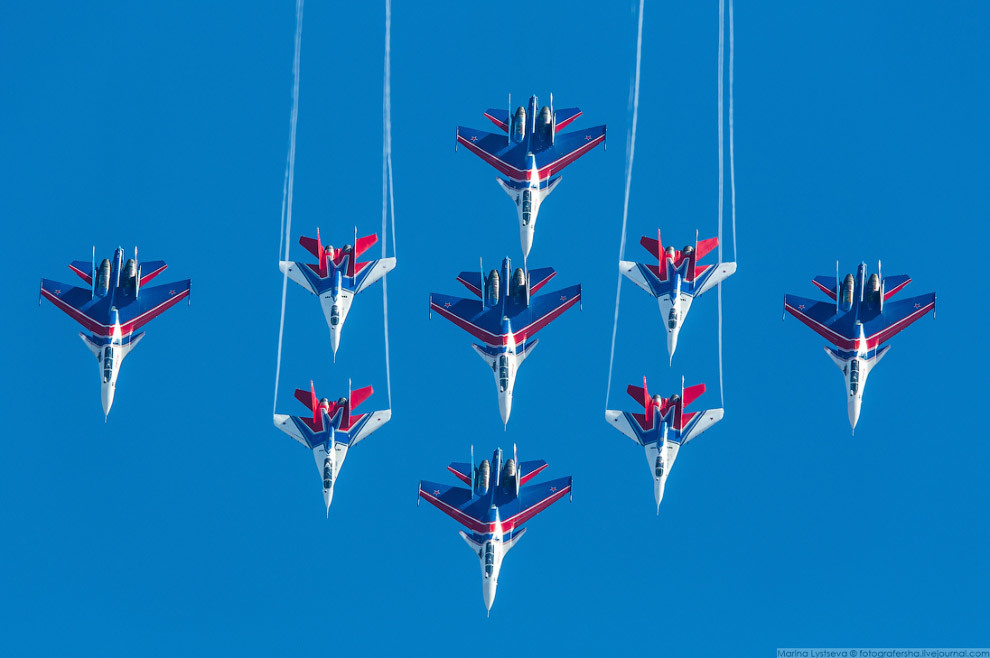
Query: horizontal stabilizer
point(692, 393)
point(363, 244)
point(360, 395)
point(704, 248)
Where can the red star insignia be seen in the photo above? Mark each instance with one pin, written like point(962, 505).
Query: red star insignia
point(563, 298)
point(587, 138)
point(171, 292)
point(552, 489)
point(801, 306)
point(474, 138)
point(436, 492)
point(58, 292)
point(917, 305)
point(446, 304)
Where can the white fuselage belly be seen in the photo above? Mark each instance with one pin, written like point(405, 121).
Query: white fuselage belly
point(336, 305)
point(667, 451)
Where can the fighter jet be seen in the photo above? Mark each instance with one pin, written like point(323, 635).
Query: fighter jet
point(112, 307)
point(530, 155)
point(330, 429)
point(494, 512)
point(336, 277)
point(676, 280)
point(857, 321)
point(663, 427)
point(506, 319)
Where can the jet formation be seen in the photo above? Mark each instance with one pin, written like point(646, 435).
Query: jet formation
point(506, 318)
point(112, 307)
point(530, 154)
point(857, 322)
point(495, 507)
point(336, 277)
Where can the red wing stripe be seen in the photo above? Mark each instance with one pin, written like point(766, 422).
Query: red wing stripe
point(533, 327)
point(460, 476)
point(835, 338)
point(454, 513)
point(473, 329)
point(903, 323)
point(513, 521)
point(501, 165)
point(106, 330)
point(547, 170)
point(470, 286)
point(145, 278)
point(536, 286)
point(76, 314)
point(567, 122)
point(498, 123)
point(82, 275)
point(896, 289)
point(827, 291)
point(532, 474)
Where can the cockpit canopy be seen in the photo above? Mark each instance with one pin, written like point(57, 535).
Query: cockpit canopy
point(489, 559)
point(334, 315)
point(503, 373)
point(854, 377)
point(673, 318)
point(107, 364)
point(527, 207)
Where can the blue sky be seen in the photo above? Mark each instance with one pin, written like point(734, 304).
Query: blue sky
point(189, 525)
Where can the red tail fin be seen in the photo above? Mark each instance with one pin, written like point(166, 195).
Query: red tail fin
point(692, 393)
point(705, 247)
point(313, 245)
point(309, 399)
point(362, 245)
point(359, 396)
point(655, 247)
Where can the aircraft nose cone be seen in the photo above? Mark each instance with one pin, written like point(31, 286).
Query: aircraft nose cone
point(106, 395)
point(334, 341)
point(505, 407)
point(488, 590)
point(658, 494)
point(526, 239)
point(855, 402)
point(327, 499)
point(672, 341)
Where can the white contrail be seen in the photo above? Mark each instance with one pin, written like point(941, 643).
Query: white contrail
point(630, 152)
point(290, 165)
point(732, 161)
point(721, 176)
point(388, 198)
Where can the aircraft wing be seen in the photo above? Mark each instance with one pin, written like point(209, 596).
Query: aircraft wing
point(897, 316)
point(151, 302)
point(295, 272)
point(150, 269)
point(493, 149)
point(644, 277)
point(532, 499)
point(364, 427)
point(469, 315)
point(697, 422)
point(84, 269)
point(289, 425)
point(456, 502)
point(566, 149)
point(625, 422)
point(371, 272)
point(545, 308)
point(819, 316)
point(78, 303)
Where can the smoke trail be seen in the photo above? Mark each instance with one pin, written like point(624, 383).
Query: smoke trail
point(290, 166)
point(630, 152)
point(388, 198)
point(721, 177)
point(732, 160)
